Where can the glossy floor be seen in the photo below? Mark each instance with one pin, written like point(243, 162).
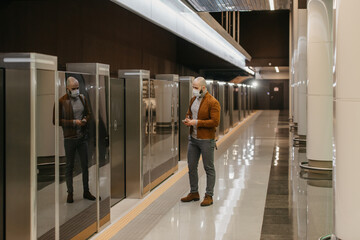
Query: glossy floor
point(260, 193)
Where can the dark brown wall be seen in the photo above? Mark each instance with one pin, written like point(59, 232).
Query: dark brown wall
point(302, 4)
point(265, 36)
point(89, 31)
point(263, 99)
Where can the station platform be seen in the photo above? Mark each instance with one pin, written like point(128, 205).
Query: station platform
point(260, 193)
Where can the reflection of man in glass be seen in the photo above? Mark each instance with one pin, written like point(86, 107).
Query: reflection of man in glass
point(74, 114)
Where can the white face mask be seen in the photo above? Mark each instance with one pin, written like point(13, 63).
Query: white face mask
point(75, 93)
point(196, 93)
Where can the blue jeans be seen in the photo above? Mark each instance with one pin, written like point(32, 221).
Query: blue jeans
point(206, 149)
point(72, 146)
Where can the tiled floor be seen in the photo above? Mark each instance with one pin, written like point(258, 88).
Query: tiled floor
point(260, 193)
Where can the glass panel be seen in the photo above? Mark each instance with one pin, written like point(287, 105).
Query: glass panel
point(216, 91)
point(2, 152)
point(161, 129)
point(236, 98)
point(77, 155)
point(104, 160)
point(227, 96)
point(145, 116)
point(117, 113)
point(175, 119)
point(45, 149)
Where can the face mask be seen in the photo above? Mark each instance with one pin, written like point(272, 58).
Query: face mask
point(196, 93)
point(75, 93)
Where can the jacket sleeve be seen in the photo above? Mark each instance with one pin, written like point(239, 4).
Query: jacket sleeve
point(214, 117)
point(189, 113)
point(63, 122)
point(87, 110)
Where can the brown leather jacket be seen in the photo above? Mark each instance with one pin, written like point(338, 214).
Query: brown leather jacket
point(66, 115)
point(208, 117)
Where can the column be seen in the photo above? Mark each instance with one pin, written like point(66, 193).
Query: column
point(302, 72)
point(347, 119)
point(294, 61)
point(319, 96)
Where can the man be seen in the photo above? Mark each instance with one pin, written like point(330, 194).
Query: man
point(74, 115)
point(203, 117)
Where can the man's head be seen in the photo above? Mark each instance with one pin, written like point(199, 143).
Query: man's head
point(72, 85)
point(199, 85)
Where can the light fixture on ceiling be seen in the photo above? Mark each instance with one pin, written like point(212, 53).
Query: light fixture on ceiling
point(277, 69)
point(271, 3)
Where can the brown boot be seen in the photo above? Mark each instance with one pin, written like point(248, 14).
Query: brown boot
point(191, 197)
point(207, 201)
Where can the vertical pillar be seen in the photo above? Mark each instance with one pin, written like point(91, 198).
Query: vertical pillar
point(294, 60)
point(227, 22)
point(319, 96)
point(302, 72)
point(290, 67)
point(238, 27)
point(347, 115)
point(233, 24)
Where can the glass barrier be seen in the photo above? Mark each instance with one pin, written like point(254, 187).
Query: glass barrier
point(77, 154)
point(162, 127)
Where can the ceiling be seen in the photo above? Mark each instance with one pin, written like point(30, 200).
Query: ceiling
point(237, 5)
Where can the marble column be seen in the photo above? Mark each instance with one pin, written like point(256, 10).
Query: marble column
point(302, 72)
point(347, 119)
point(320, 92)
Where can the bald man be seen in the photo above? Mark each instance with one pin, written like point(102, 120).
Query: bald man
point(74, 115)
point(203, 117)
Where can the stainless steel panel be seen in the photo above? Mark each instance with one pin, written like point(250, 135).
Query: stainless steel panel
point(236, 109)
point(227, 106)
point(231, 101)
point(2, 154)
point(104, 180)
point(175, 120)
point(45, 153)
point(241, 115)
point(184, 99)
point(117, 139)
point(244, 101)
point(18, 153)
point(137, 116)
point(222, 105)
point(29, 88)
point(248, 100)
point(216, 95)
point(27, 61)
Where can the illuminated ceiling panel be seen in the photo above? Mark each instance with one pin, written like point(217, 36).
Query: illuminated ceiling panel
point(237, 5)
point(177, 18)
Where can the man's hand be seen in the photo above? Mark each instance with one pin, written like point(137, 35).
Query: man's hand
point(83, 122)
point(78, 122)
point(189, 122)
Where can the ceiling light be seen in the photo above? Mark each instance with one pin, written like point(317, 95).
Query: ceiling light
point(277, 69)
point(271, 3)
